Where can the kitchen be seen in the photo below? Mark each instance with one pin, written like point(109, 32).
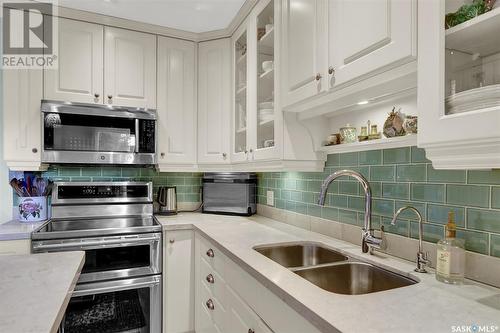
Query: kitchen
point(250, 165)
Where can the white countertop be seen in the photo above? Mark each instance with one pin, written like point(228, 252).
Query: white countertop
point(13, 230)
point(35, 290)
point(428, 306)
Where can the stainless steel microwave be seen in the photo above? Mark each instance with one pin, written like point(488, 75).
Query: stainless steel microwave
point(97, 134)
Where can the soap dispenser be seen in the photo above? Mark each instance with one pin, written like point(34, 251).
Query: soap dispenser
point(450, 262)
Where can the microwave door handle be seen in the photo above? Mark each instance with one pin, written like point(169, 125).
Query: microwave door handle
point(117, 286)
point(136, 135)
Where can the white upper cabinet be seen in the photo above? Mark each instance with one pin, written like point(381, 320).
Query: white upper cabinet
point(369, 35)
point(22, 93)
point(302, 45)
point(458, 84)
point(214, 101)
point(129, 68)
point(79, 76)
point(176, 102)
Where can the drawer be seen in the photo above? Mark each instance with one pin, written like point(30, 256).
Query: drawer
point(213, 256)
point(212, 281)
point(241, 318)
point(217, 313)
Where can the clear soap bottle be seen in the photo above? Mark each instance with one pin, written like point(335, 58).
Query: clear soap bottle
point(450, 262)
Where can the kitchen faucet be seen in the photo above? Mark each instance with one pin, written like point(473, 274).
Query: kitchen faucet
point(368, 240)
point(421, 256)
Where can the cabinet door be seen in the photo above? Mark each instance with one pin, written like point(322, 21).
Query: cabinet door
point(369, 35)
point(214, 96)
point(302, 50)
point(22, 91)
point(241, 318)
point(79, 76)
point(176, 101)
point(241, 124)
point(129, 68)
point(178, 282)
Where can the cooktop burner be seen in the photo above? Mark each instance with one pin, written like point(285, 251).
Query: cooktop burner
point(96, 227)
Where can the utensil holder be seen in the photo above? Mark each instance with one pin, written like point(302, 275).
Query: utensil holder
point(32, 209)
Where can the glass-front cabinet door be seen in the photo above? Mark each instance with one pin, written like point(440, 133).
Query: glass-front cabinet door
point(459, 83)
point(265, 83)
point(255, 118)
point(240, 98)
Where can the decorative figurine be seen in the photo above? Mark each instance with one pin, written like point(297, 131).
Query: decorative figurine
point(410, 124)
point(393, 125)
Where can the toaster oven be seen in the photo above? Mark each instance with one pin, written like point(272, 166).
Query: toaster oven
point(232, 193)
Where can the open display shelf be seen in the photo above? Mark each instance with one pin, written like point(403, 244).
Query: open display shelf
point(384, 143)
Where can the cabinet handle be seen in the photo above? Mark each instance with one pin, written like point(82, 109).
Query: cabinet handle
point(210, 253)
point(171, 241)
point(210, 304)
point(210, 278)
point(251, 330)
point(318, 77)
point(96, 97)
point(34, 150)
point(331, 70)
point(110, 99)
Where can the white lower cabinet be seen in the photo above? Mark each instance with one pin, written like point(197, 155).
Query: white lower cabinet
point(178, 281)
point(229, 300)
point(12, 247)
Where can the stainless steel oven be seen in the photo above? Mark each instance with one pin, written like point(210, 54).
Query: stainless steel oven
point(119, 289)
point(129, 305)
point(111, 257)
point(97, 134)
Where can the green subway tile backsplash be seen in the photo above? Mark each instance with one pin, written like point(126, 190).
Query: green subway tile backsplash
point(188, 184)
point(398, 177)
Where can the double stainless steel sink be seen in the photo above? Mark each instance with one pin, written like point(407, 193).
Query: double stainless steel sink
point(333, 271)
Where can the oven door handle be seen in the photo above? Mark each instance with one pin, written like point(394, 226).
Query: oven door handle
point(111, 286)
point(102, 243)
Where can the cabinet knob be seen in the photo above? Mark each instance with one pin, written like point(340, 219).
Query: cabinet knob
point(251, 150)
point(246, 151)
point(34, 150)
point(162, 155)
point(210, 253)
point(210, 304)
point(331, 70)
point(224, 155)
point(210, 278)
point(251, 330)
point(110, 99)
point(171, 241)
point(318, 77)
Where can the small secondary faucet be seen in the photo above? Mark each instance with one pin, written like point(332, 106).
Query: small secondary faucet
point(422, 260)
point(368, 241)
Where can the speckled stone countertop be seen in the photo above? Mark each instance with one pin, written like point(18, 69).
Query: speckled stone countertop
point(428, 306)
point(14, 230)
point(35, 290)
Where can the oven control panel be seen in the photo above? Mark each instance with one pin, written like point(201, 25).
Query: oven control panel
point(92, 192)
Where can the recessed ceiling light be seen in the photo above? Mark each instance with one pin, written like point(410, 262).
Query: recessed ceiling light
point(363, 102)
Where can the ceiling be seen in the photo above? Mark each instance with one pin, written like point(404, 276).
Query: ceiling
point(189, 15)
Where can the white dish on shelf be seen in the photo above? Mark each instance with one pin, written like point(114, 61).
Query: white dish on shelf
point(267, 65)
point(266, 105)
point(474, 99)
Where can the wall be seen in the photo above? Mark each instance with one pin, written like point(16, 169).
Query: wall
point(399, 177)
point(5, 191)
point(188, 184)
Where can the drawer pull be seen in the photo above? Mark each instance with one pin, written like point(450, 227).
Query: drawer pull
point(210, 253)
point(210, 278)
point(251, 330)
point(210, 304)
